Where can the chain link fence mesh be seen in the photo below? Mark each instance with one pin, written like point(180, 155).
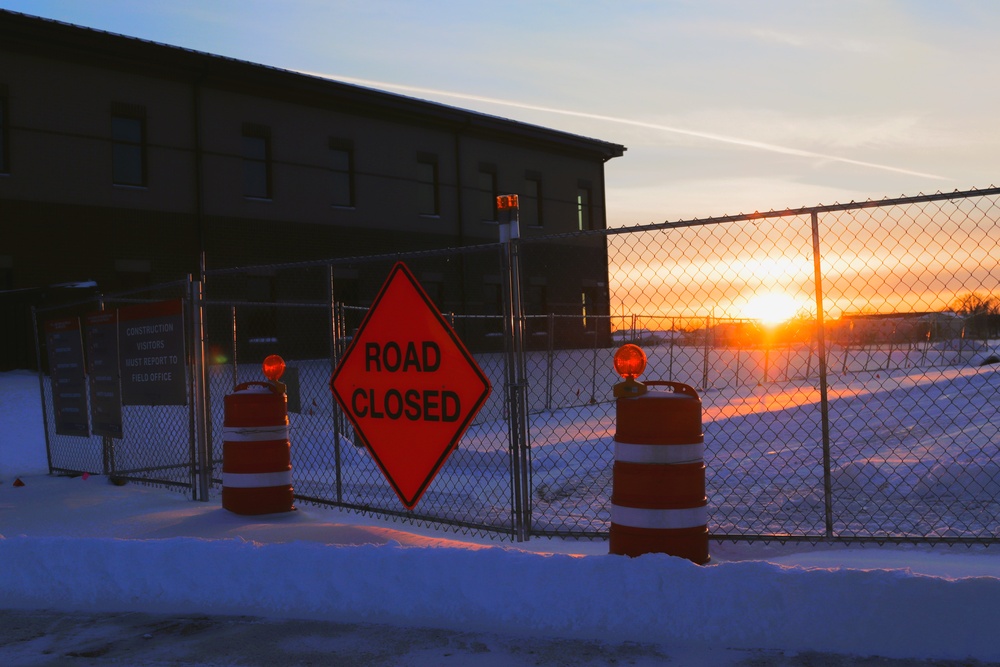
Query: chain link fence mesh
point(844, 356)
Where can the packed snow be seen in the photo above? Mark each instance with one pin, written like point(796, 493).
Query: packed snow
point(82, 544)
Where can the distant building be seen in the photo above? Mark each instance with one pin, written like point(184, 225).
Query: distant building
point(125, 162)
point(877, 328)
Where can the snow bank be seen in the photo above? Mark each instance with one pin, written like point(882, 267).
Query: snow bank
point(76, 544)
point(653, 598)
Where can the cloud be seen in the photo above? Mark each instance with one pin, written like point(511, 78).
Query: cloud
point(679, 131)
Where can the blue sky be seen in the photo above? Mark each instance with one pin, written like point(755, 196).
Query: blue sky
point(725, 106)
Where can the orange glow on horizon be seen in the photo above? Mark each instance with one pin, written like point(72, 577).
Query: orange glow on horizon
point(771, 308)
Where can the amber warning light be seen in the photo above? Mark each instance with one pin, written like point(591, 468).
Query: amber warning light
point(274, 368)
point(630, 362)
point(505, 202)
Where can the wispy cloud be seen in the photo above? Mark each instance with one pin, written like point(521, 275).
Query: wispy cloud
point(709, 136)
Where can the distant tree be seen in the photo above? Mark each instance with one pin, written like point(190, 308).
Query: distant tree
point(974, 303)
point(981, 313)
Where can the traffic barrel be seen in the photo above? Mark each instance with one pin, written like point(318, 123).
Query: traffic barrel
point(256, 451)
point(658, 501)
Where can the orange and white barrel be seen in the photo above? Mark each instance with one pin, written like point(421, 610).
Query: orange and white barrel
point(658, 501)
point(256, 451)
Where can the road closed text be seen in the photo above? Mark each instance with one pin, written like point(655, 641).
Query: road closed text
point(429, 405)
point(403, 361)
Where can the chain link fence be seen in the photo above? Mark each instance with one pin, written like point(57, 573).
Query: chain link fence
point(157, 441)
point(844, 356)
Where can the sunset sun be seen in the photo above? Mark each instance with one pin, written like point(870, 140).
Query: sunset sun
point(771, 308)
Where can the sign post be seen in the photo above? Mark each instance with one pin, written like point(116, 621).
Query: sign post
point(408, 385)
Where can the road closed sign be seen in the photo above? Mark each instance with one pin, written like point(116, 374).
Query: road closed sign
point(409, 386)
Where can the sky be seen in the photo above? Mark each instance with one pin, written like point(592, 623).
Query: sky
point(725, 106)
point(81, 557)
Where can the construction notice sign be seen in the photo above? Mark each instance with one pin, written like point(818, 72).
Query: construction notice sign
point(408, 385)
point(151, 354)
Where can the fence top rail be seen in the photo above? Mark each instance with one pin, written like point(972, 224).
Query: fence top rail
point(809, 210)
point(784, 213)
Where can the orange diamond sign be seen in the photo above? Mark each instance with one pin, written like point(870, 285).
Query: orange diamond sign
point(408, 385)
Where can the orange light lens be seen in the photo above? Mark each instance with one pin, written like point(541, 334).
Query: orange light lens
point(505, 202)
point(274, 367)
point(630, 361)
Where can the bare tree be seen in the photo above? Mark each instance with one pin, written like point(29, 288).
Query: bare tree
point(981, 312)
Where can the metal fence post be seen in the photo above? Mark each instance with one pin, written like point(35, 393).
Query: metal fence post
point(549, 368)
point(199, 395)
point(336, 332)
point(515, 376)
point(41, 385)
point(823, 397)
point(705, 364)
point(235, 349)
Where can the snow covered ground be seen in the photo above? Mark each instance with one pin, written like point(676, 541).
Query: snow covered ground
point(73, 546)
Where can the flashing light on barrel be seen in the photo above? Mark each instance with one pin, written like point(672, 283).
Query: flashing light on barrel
point(630, 362)
point(274, 368)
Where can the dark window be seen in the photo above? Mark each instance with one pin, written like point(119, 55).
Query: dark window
point(128, 145)
point(4, 159)
point(486, 193)
point(530, 203)
point(493, 298)
point(342, 170)
point(257, 323)
point(256, 162)
point(6, 273)
point(584, 214)
point(538, 299)
point(428, 196)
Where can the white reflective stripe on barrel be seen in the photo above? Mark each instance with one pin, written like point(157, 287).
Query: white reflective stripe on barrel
point(635, 517)
point(253, 480)
point(254, 433)
point(630, 453)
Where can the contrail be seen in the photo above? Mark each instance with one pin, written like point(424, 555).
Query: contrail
point(749, 143)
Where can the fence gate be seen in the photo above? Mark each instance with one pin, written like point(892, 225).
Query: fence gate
point(139, 421)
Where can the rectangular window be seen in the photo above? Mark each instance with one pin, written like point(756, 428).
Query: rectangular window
point(256, 161)
point(530, 203)
point(428, 188)
point(342, 170)
point(128, 145)
point(538, 297)
point(584, 214)
point(4, 159)
point(6, 272)
point(493, 296)
point(486, 193)
point(433, 284)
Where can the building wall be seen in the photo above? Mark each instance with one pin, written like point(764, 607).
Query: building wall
point(64, 220)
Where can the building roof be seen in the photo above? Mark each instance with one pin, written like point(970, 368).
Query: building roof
point(49, 38)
